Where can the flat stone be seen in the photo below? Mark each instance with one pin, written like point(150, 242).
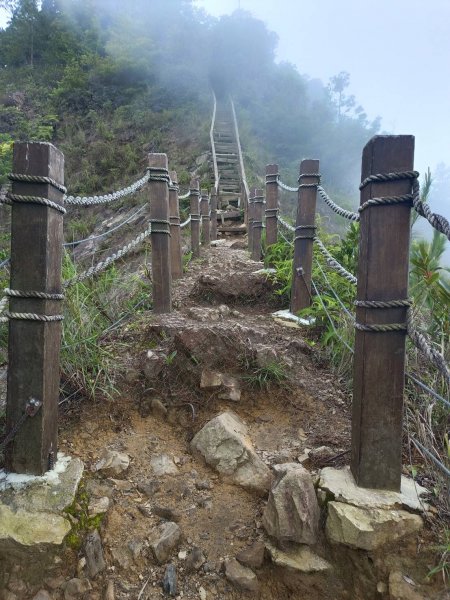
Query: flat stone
point(42, 595)
point(340, 483)
point(170, 537)
point(242, 577)
point(253, 556)
point(265, 355)
point(292, 512)
point(210, 379)
point(163, 465)
point(170, 514)
point(149, 488)
point(31, 529)
point(224, 444)
point(369, 528)
point(301, 558)
point(93, 550)
point(112, 463)
point(231, 389)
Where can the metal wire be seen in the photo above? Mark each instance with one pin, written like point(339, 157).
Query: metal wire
point(427, 389)
point(431, 456)
point(335, 294)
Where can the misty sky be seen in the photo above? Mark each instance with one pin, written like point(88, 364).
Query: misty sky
point(396, 51)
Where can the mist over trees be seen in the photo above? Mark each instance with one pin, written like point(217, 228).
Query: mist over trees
point(85, 73)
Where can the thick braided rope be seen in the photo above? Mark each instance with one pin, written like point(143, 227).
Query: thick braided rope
point(20, 177)
point(422, 344)
point(285, 224)
point(347, 214)
point(32, 294)
point(5, 200)
point(383, 177)
point(436, 220)
point(106, 198)
point(3, 304)
point(333, 263)
point(16, 316)
point(195, 218)
point(23, 199)
point(102, 265)
point(285, 187)
point(184, 196)
point(307, 236)
point(160, 226)
point(186, 223)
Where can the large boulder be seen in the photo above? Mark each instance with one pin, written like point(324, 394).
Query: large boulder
point(224, 444)
point(292, 512)
point(369, 528)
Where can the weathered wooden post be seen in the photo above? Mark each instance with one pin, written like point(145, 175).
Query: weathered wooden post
point(204, 209)
point(35, 307)
point(195, 217)
point(379, 365)
point(160, 236)
point(176, 259)
point(214, 214)
point(304, 235)
point(271, 204)
point(250, 220)
point(257, 225)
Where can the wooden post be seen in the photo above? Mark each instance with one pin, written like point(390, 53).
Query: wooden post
point(257, 225)
point(379, 365)
point(195, 218)
point(271, 204)
point(204, 209)
point(34, 346)
point(304, 235)
point(214, 214)
point(250, 220)
point(160, 236)
point(176, 260)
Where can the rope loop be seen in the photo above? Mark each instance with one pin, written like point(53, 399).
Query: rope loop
point(164, 226)
point(383, 177)
point(22, 178)
point(16, 316)
point(272, 178)
point(384, 328)
point(32, 294)
point(383, 304)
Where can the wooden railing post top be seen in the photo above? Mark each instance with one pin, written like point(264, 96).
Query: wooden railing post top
point(271, 169)
point(173, 177)
point(46, 160)
point(394, 150)
point(194, 185)
point(158, 160)
point(309, 165)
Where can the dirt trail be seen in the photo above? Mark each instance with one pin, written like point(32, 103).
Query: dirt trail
point(222, 317)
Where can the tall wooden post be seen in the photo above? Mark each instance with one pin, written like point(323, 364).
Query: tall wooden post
point(379, 366)
point(204, 209)
point(271, 204)
point(34, 345)
point(176, 260)
point(257, 225)
point(214, 214)
point(250, 220)
point(195, 218)
point(304, 235)
point(159, 218)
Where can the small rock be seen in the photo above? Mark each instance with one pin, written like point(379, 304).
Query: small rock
point(109, 592)
point(163, 465)
point(321, 454)
point(123, 485)
point(75, 588)
point(146, 511)
point(382, 587)
point(158, 407)
point(232, 389)
point(292, 512)
point(400, 589)
point(98, 506)
point(202, 593)
point(17, 586)
point(242, 577)
point(204, 485)
point(170, 580)
point(54, 583)
point(265, 356)
point(224, 444)
point(168, 541)
point(182, 555)
point(195, 559)
point(112, 463)
point(81, 566)
point(132, 376)
point(153, 365)
point(169, 514)
point(135, 547)
point(94, 554)
point(252, 556)
point(150, 488)
point(42, 595)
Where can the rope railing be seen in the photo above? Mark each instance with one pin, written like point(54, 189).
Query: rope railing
point(285, 224)
point(333, 263)
point(186, 223)
point(286, 188)
point(347, 214)
point(185, 196)
point(107, 198)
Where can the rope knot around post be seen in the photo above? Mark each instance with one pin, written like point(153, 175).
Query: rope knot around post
point(158, 174)
point(314, 184)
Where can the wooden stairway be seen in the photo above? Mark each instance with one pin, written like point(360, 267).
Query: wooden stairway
point(227, 156)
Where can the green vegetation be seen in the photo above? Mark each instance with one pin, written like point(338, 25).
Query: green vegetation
point(82, 523)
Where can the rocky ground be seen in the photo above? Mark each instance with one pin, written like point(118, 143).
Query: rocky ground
point(200, 476)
